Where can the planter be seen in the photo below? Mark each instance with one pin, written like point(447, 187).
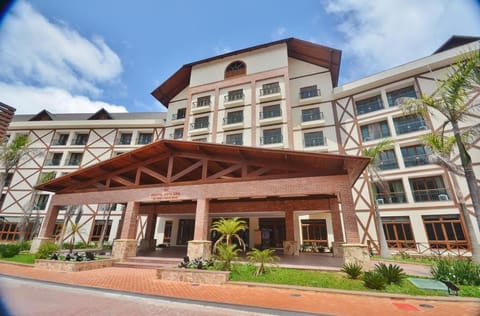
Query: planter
point(193, 275)
point(73, 266)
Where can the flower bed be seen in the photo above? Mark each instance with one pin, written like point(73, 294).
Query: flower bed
point(73, 266)
point(193, 275)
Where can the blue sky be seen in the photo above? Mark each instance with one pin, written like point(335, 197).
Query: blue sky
point(80, 56)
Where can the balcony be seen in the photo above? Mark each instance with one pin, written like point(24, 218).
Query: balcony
point(391, 198)
point(234, 99)
point(387, 164)
point(80, 141)
point(74, 162)
point(272, 139)
point(417, 160)
point(315, 142)
point(270, 94)
point(178, 116)
point(233, 122)
point(61, 141)
point(198, 128)
point(271, 116)
point(175, 136)
point(309, 96)
point(409, 127)
point(53, 162)
point(200, 106)
point(439, 194)
point(312, 119)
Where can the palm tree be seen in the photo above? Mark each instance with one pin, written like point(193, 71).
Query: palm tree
point(228, 228)
point(226, 254)
point(262, 258)
point(441, 149)
point(453, 99)
point(372, 171)
point(11, 155)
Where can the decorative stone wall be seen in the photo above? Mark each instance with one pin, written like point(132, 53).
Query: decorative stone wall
point(123, 248)
point(199, 249)
point(39, 241)
point(147, 244)
point(356, 253)
point(291, 248)
point(193, 275)
point(337, 249)
point(73, 266)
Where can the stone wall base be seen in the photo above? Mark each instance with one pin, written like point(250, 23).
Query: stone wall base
point(291, 248)
point(337, 249)
point(39, 241)
point(123, 248)
point(147, 244)
point(356, 253)
point(72, 266)
point(199, 249)
point(193, 275)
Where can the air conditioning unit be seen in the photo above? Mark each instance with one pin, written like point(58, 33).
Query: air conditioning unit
point(380, 201)
point(443, 197)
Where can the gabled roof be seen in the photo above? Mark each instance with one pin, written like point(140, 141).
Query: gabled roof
point(455, 41)
point(172, 162)
point(101, 114)
point(309, 52)
point(43, 115)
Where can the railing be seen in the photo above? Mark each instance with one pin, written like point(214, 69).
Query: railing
point(234, 97)
point(432, 248)
point(175, 136)
point(177, 116)
point(273, 139)
point(317, 141)
point(74, 162)
point(59, 142)
point(387, 164)
point(233, 142)
point(375, 135)
point(417, 160)
point(144, 140)
point(313, 116)
point(199, 125)
point(271, 113)
point(80, 141)
point(202, 103)
point(409, 127)
point(309, 93)
point(391, 198)
point(440, 194)
point(270, 90)
point(232, 119)
point(53, 162)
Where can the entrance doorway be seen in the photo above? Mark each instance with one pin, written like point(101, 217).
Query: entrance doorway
point(272, 232)
point(186, 229)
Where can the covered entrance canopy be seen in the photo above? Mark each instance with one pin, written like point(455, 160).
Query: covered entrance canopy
point(201, 178)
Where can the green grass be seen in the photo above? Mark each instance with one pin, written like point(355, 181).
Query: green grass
point(331, 280)
point(408, 259)
point(21, 258)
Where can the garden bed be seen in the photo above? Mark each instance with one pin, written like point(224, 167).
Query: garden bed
point(73, 266)
point(193, 275)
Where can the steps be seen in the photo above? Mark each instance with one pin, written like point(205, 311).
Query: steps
point(147, 262)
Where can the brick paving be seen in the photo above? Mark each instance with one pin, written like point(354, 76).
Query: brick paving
point(144, 281)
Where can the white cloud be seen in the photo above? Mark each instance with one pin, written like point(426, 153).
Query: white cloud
point(31, 100)
point(279, 33)
point(221, 49)
point(387, 33)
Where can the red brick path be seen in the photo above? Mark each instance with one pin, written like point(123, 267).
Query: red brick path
point(288, 298)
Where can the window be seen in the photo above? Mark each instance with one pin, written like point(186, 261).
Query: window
point(445, 232)
point(202, 101)
point(398, 232)
point(271, 136)
point(270, 88)
point(235, 68)
point(233, 117)
point(8, 231)
point(80, 139)
point(369, 105)
point(387, 160)
point(234, 95)
point(375, 131)
point(314, 139)
point(167, 233)
point(429, 189)
point(394, 97)
point(200, 122)
point(75, 159)
point(40, 201)
point(271, 111)
point(144, 138)
point(61, 139)
point(309, 92)
point(315, 231)
point(389, 192)
point(8, 179)
point(125, 139)
point(55, 159)
point(415, 156)
point(98, 229)
point(311, 115)
point(234, 139)
point(178, 133)
point(409, 124)
point(180, 114)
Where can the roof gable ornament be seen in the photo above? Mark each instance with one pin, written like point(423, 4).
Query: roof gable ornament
point(101, 114)
point(43, 115)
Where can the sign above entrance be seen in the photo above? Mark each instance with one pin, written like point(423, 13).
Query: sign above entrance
point(165, 196)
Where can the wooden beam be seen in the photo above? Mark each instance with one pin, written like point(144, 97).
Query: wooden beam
point(153, 174)
point(196, 165)
point(226, 171)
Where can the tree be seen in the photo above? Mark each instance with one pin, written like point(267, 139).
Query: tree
point(453, 99)
point(228, 228)
point(11, 155)
point(372, 170)
point(262, 258)
point(441, 150)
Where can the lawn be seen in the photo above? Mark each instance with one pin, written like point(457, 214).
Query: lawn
point(21, 258)
point(331, 280)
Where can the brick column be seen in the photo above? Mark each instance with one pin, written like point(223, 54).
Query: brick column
point(200, 246)
point(290, 246)
point(126, 246)
point(338, 239)
point(349, 217)
point(149, 242)
point(47, 230)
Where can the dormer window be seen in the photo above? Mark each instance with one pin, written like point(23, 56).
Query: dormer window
point(235, 68)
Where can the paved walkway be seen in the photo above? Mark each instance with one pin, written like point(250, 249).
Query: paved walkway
point(144, 281)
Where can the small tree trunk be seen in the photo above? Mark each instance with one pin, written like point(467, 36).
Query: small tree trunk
point(104, 229)
point(384, 251)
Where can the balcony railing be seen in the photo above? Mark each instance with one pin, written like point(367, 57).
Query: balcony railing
point(272, 139)
point(198, 125)
point(232, 119)
point(270, 90)
point(80, 141)
point(391, 198)
point(316, 141)
point(53, 162)
point(409, 127)
point(375, 135)
point(312, 116)
point(271, 113)
point(74, 162)
point(233, 142)
point(201, 103)
point(177, 116)
point(440, 194)
point(387, 164)
point(60, 141)
point(309, 93)
point(418, 160)
point(176, 136)
point(234, 97)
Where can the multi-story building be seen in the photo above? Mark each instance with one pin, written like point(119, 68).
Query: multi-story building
point(285, 95)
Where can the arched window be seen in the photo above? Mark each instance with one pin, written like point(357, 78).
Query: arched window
point(235, 68)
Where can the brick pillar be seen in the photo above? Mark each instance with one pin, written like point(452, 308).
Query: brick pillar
point(349, 218)
point(149, 243)
point(126, 246)
point(290, 246)
point(47, 230)
point(338, 239)
point(200, 246)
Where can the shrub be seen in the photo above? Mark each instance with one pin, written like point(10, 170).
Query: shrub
point(197, 263)
point(353, 269)
point(374, 280)
point(25, 245)
point(8, 251)
point(225, 255)
point(462, 272)
point(392, 273)
point(262, 258)
point(46, 250)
